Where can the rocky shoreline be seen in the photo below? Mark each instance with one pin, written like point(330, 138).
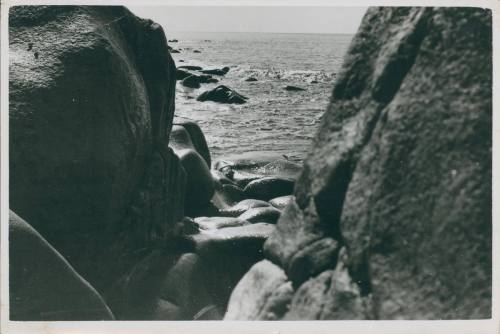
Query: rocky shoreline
point(130, 219)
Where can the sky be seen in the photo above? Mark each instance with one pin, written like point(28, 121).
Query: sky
point(282, 19)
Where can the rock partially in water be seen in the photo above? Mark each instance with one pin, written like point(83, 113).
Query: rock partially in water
point(181, 74)
point(222, 94)
point(173, 40)
point(195, 81)
point(43, 285)
point(251, 79)
point(294, 88)
point(269, 187)
point(190, 67)
point(196, 51)
point(216, 71)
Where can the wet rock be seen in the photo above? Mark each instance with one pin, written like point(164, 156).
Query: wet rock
point(181, 74)
point(220, 179)
point(262, 294)
point(215, 223)
point(246, 167)
point(222, 94)
point(216, 71)
point(294, 88)
point(269, 187)
point(173, 40)
point(196, 51)
point(174, 51)
point(85, 125)
point(267, 214)
point(43, 285)
point(226, 196)
point(251, 79)
point(243, 206)
point(281, 202)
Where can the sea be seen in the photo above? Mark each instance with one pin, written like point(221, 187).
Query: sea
point(273, 119)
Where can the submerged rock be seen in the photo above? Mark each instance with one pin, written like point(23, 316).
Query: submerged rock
point(397, 176)
point(216, 71)
point(294, 88)
point(190, 67)
point(222, 94)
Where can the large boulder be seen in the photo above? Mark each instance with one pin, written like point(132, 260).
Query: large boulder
point(43, 285)
point(398, 180)
point(91, 108)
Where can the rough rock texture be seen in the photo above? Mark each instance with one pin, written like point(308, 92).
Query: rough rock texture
point(40, 270)
point(399, 175)
point(91, 109)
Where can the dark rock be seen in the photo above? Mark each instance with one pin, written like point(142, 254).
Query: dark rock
point(194, 81)
point(196, 51)
point(173, 40)
point(220, 179)
point(267, 214)
point(165, 310)
point(43, 285)
point(294, 88)
point(222, 94)
point(243, 206)
point(181, 74)
point(174, 51)
point(262, 294)
point(190, 67)
point(86, 124)
point(399, 176)
point(268, 188)
point(251, 79)
point(216, 71)
point(281, 202)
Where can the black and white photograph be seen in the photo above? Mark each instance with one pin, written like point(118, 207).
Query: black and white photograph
point(173, 163)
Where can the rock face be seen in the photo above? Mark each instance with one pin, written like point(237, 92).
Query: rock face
point(91, 109)
point(40, 271)
point(392, 211)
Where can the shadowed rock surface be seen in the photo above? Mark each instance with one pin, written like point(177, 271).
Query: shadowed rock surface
point(39, 270)
point(90, 119)
point(392, 211)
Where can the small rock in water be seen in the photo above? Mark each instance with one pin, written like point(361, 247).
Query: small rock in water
point(251, 79)
point(172, 40)
point(216, 71)
point(196, 51)
point(191, 67)
point(222, 94)
point(293, 88)
point(194, 81)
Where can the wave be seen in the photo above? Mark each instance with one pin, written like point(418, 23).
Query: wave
point(277, 74)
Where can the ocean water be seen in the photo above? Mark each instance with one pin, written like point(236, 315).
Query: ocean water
point(273, 119)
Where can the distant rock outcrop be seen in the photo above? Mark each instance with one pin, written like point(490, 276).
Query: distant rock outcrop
point(392, 211)
point(91, 109)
